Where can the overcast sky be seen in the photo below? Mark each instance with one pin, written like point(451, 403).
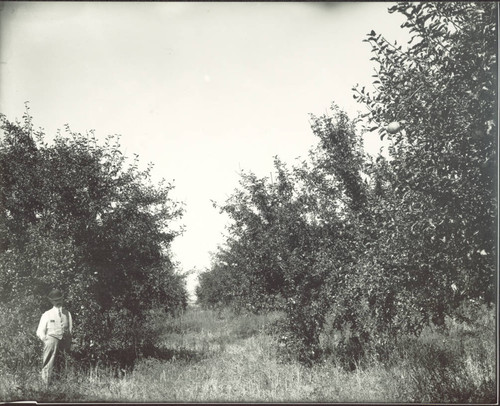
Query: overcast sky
point(201, 90)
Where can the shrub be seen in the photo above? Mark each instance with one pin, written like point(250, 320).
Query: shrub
point(20, 348)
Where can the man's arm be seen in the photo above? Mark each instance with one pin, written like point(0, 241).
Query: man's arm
point(41, 331)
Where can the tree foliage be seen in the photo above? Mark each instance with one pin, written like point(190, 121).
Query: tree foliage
point(384, 245)
point(77, 216)
point(443, 163)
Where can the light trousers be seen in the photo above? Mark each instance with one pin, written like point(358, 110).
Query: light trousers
point(53, 353)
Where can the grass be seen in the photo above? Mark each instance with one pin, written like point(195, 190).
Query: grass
point(208, 356)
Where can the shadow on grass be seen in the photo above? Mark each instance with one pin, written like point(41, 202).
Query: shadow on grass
point(168, 354)
point(124, 360)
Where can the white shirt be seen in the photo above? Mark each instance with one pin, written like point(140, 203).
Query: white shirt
point(51, 324)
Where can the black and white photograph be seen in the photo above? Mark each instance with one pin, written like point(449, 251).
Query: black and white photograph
point(249, 202)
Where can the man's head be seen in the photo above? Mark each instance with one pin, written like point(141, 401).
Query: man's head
point(55, 296)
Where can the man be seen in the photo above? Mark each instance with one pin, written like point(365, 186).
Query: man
point(54, 330)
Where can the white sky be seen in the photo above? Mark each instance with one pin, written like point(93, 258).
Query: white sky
point(199, 89)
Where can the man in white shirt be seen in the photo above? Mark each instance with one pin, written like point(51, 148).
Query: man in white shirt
point(54, 330)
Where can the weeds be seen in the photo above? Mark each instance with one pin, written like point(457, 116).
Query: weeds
point(205, 356)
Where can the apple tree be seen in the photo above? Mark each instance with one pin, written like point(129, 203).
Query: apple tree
point(77, 216)
point(442, 88)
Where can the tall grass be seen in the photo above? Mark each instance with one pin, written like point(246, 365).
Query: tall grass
point(207, 356)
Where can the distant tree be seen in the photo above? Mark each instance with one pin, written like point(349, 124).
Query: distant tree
point(247, 267)
point(280, 233)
